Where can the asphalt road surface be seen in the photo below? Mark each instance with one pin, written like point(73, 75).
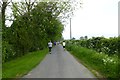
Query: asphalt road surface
point(59, 64)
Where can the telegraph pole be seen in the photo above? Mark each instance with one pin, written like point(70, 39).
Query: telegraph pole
point(70, 30)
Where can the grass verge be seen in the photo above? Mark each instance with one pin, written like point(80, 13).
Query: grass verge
point(98, 63)
point(22, 65)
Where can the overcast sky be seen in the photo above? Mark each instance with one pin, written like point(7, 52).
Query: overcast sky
point(96, 18)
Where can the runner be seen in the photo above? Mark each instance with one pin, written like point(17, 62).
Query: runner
point(64, 45)
point(50, 46)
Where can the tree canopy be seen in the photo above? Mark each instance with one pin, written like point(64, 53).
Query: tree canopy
point(34, 24)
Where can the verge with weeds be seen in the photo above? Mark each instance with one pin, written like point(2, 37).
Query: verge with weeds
point(21, 66)
point(101, 62)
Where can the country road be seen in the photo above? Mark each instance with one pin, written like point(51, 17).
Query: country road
point(59, 64)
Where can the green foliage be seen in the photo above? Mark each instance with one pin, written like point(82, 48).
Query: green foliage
point(104, 64)
point(101, 44)
point(8, 52)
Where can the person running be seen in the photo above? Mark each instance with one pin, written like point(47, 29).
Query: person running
point(54, 43)
point(50, 46)
point(63, 45)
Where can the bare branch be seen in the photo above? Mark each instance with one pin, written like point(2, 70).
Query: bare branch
point(26, 2)
point(0, 4)
point(32, 4)
point(10, 19)
point(16, 8)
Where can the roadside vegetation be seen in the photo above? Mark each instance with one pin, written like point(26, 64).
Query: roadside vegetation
point(22, 65)
point(103, 65)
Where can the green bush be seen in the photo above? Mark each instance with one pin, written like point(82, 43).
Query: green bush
point(7, 51)
point(100, 44)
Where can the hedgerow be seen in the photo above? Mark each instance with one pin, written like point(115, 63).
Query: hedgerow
point(107, 65)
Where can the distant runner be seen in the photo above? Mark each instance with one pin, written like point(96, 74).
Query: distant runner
point(50, 46)
point(54, 43)
point(63, 45)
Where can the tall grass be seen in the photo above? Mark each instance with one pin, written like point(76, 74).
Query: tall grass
point(21, 66)
point(104, 64)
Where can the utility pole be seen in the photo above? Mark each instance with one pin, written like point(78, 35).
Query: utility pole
point(70, 30)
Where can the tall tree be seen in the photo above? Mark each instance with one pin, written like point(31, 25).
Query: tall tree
point(3, 8)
